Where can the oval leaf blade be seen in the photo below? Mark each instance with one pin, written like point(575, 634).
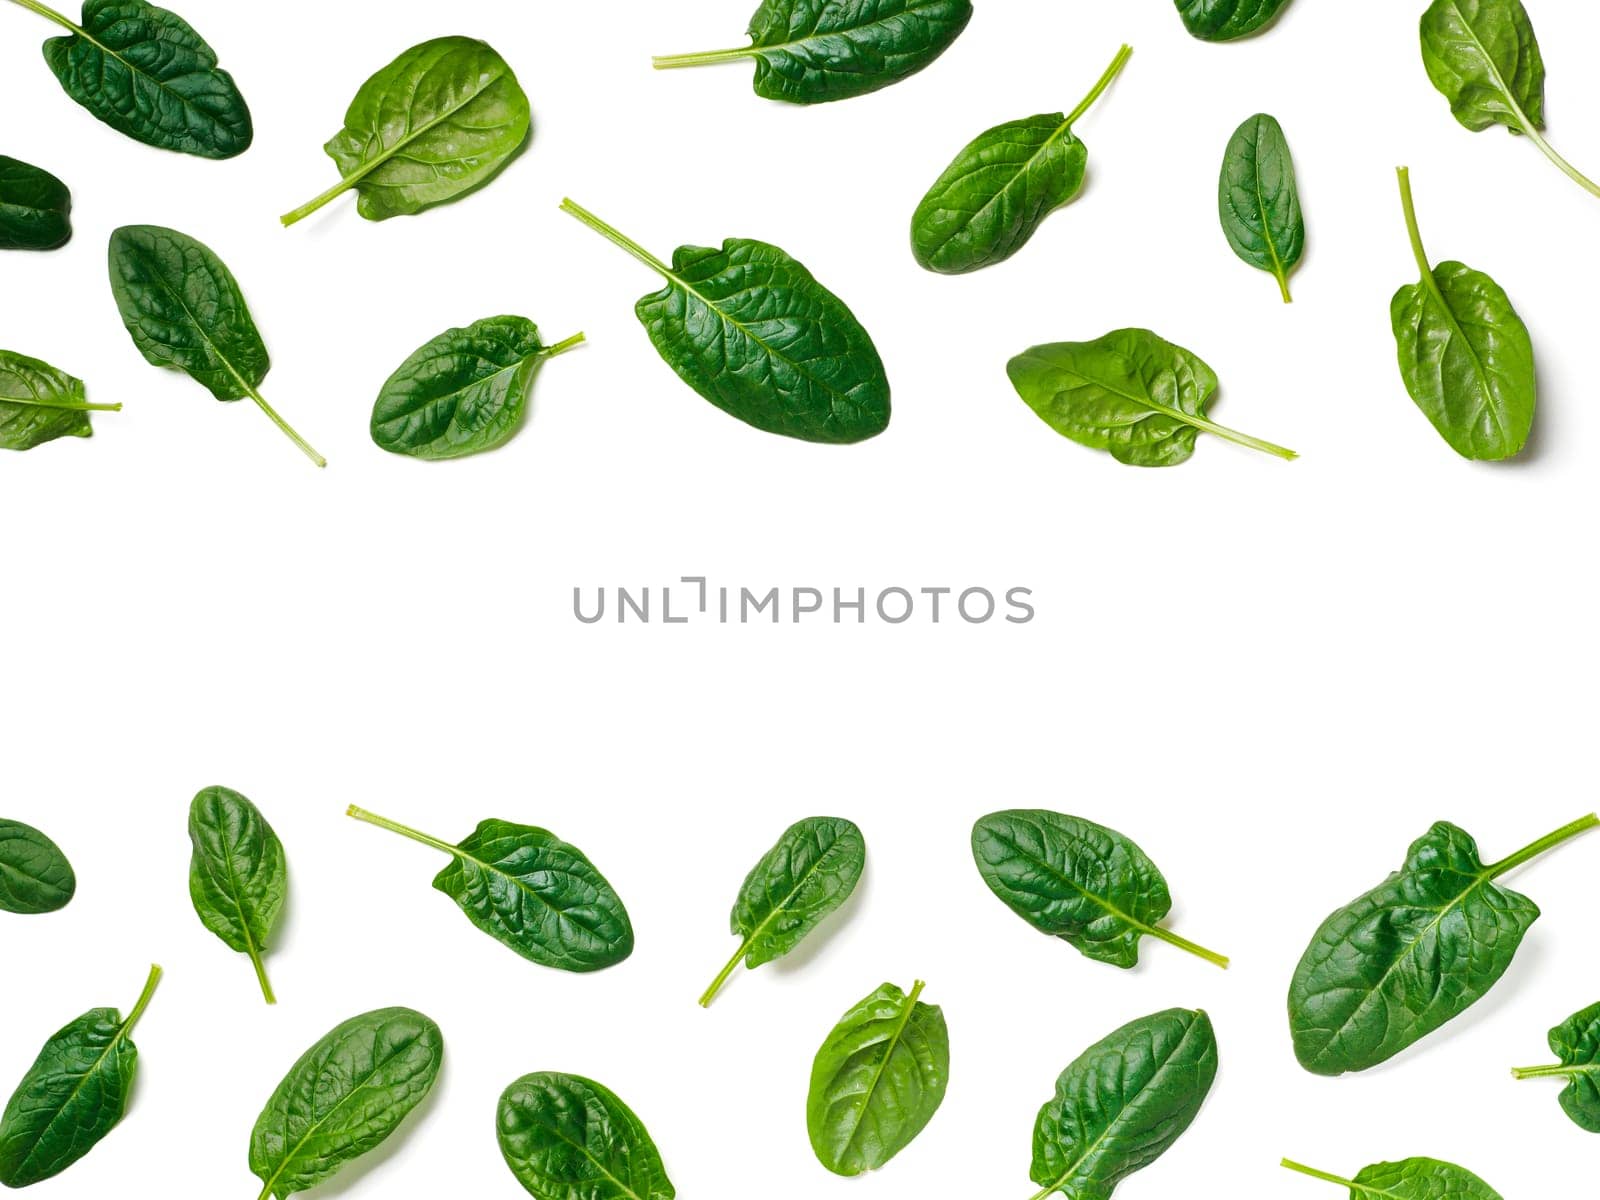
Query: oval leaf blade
point(1227, 20)
point(568, 1138)
point(1259, 200)
point(35, 876)
point(237, 874)
point(35, 207)
point(1484, 58)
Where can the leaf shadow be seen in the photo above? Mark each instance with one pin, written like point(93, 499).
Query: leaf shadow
point(832, 926)
point(352, 1175)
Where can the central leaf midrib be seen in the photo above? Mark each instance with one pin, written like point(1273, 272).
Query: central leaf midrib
point(71, 1098)
point(516, 881)
point(227, 363)
point(783, 906)
point(890, 1047)
point(598, 1165)
point(1074, 885)
point(912, 8)
point(412, 135)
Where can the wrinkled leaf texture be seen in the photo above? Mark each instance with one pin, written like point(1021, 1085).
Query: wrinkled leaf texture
point(1259, 200)
point(568, 1138)
point(35, 876)
point(35, 207)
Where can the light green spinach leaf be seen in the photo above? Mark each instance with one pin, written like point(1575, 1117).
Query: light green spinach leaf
point(1576, 1042)
point(1413, 1179)
point(568, 1138)
point(39, 403)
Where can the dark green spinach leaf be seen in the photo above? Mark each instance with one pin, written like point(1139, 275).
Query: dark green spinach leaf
point(813, 51)
point(1228, 20)
point(1130, 393)
point(438, 122)
point(1576, 1042)
point(1413, 1179)
point(185, 312)
point(753, 332)
point(1259, 200)
point(531, 891)
point(1002, 186)
point(465, 391)
point(877, 1080)
point(345, 1096)
point(807, 875)
point(1465, 355)
point(237, 874)
point(35, 877)
point(73, 1095)
point(567, 1138)
point(39, 403)
point(1416, 951)
point(1078, 881)
point(35, 208)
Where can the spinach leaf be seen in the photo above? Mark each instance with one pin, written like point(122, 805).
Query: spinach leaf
point(1576, 1042)
point(39, 403)
point(1416, 951)
point(1465, 355)
point(1122, 1104)
point(531, 891)
point(146, 73)
point(1002, 186)
point(1259, 200)
point(1413, 1179)
point(344, 1097)
point(73, 1095)
point(814, 51)
point(1483, 57)
point(1228, 20)
point(567, 1138)
point(877, 1080)
point(463, 392)
point(753, 332)
point(35, 877)
point(438, 122)
point(1078, 881)
point(1130, 393)
point(237, 874)
point(807, 875)
point(185, 312)
point(35, 208)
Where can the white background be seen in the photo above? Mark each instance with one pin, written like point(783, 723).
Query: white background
point(1272, 675)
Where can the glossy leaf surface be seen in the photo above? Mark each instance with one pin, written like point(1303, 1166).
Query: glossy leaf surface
point(463, 392)
point(1123, 1103)
point(1259, 200)
point(1078, 881)
point(1413, 1179)
point(1413, 953)
point(74, 1094)
point(814, 51)
point(1130, 393)
point(35, 207)
point(752, 331)
point(238, 877)
point(344, 1097)
point(1576, 1043)
point(35, 876)
point(438, 122)
point(1228, 20)
point(39, 403)
point(877, 1080)
point(568, 1138)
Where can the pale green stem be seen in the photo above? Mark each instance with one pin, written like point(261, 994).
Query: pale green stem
point(144, 1000)
point(572, 208)
point(562, 347)
point(311, 206)
point(705, 58)
point(1567, 168)
point(1241, 439)
point(1283, 285)
point(1560, 1071)
point(362, 814)
point(288, 429)
point(1316, 1174)
point(1106, 80)
point(1413, 230)
point(1543, 846)
point(716, 984)
point(65, 405)
point(261, 975)
point(1183, 943)
point(51, 14)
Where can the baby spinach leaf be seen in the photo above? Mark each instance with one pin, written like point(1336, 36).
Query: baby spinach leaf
point(438, 122)
point(877, 1080)
point(1416, 951)
point(73, 1095)
point(35, 207)
point(185, 312)
point(753, 332)
point(237, 874)
point(1002, 186)
point(567, 1138)
point(463, 392)
point(1227, 20)
point(531, 891)
point(1483, 57)
point(39, 403)
point(1122, 1104)
point(1413, 1179)
point(813, 51)
point(35, 877)
point(807, 875)
point(1576, 1042)
point(146, 73)
point(345, 1096)
point(1131, 393)
point(1078, 881)
point(1259, 200)
point(1465, 355)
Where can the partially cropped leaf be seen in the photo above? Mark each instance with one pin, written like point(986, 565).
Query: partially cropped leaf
point(1078, 881)
point(74, 1094)
point(753, 332)
point(438, 122)
point(1122, 1104)
point(1576, 1043)
point(531, 891)
point(807, 875)
point(1002, 186)
point(35, 207)
point(35, 877)
point(1227, 20)
point(237, 874)
point(39, 403)
point(1416, 951)
point(1413, 1179)
point(877, 1080)
point(567, 1138)
point(465, 391)
point(813, 51)
point(344, 1097)
point(1259, 200)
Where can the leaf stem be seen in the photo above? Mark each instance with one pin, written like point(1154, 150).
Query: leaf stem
point(704, 58)
point(1042, 1194)
point(143, 1001)
point(1106, 80)
point(261, 975)
point(51, 14)
point(1241, 439)
point(562, 347)
point(1291, 1165)
point(1559, 1071)
point(733, 965)
point(1567, 168)
point(288, 429)
point(1408, 202)
point(311, 206)
point(64, 405)
point(1283, 284)
point(1183, 943)
point(362, 814)
point(572, 208)
point(1543, 846)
